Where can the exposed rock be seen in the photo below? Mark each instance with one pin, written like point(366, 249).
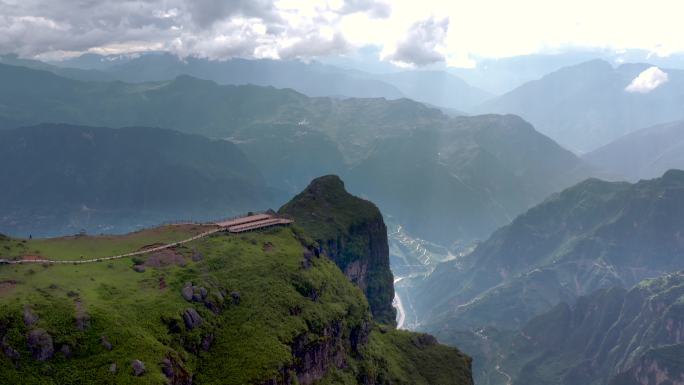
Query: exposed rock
point(207, 340)
point(359, 336)
point(191, 318)
point(236, 297)
point(138, 368)
point(356, 243)
point(214, 302)
point(357, 272)
point(423, 340)
point(8, 350)
point(30, 318)
point(167, 368)
point(139, 268)
point(166, 257)
point(40, 344)
point(295, 310)
point(105, 343)
point(197, 256)
point(66, 350)
point(306, 262)
point(82, 318)
point(187, 292)
point(173, 370)
point(662, 366)
point(314, 294)
point(318, 354)
point(636, 335)
point(203, 292)
point(112, 367)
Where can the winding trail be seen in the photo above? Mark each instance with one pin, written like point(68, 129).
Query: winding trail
point(132, 254)
point(235, 225)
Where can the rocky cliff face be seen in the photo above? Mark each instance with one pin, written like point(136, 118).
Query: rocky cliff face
point(615, 336)
point(255, 308)
point(661, 366)
point(593, 235)
point(352, 233)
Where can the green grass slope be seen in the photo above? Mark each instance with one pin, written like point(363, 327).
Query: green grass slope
point(267, 317)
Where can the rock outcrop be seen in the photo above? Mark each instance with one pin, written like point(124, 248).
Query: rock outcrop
point(138, 368)
point(351, 232)
point(40, 344)
point(30, 318)
point(192, 318)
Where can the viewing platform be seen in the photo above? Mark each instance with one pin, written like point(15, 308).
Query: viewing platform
point(253, 222)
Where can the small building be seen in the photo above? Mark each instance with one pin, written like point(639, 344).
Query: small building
point(253, 222)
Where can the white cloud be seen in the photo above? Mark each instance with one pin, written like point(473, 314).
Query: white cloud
point(422, 45)
point(267, 28)
point(216, 29)
point(648, 81)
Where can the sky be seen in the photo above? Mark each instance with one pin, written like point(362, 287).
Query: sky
point(406, 33)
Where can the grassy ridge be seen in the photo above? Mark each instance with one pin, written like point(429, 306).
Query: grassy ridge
point(140, 313)
point(88, 247)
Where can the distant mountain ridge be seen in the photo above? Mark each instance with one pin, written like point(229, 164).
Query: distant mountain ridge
point(470, 168)
point(65, 178)
point(472, 165)
point(613, 336)
point(314, 79)
point(586, 106)
point(643, 154)
point(593, 235)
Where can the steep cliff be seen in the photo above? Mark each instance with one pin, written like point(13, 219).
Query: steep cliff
point(593, 235)
point(615, 336)
point(257, 308)
point(352, 233)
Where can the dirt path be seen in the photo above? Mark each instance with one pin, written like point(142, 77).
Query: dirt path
point(140, 252)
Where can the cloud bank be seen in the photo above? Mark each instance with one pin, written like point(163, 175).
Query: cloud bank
point(408, 32)
point(422, 45)
point(216, 29)
point(648, 81)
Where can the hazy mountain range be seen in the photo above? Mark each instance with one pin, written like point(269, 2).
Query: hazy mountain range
point(589, 105)
point(472, 175)
point(546, 275)
point(313, 79)
point(642, 154)
point(65, 179)
point(593, 236)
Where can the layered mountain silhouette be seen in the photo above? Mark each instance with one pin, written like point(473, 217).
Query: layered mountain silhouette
point(438, 88)
point(588, 105)
point(612, 336)
point(475, 173)
point(643, 154)
point(594, 235)
point(66, 178)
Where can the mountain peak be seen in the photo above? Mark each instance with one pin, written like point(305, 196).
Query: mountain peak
point(673, 176)
point(350, 231)
point(326, 183)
